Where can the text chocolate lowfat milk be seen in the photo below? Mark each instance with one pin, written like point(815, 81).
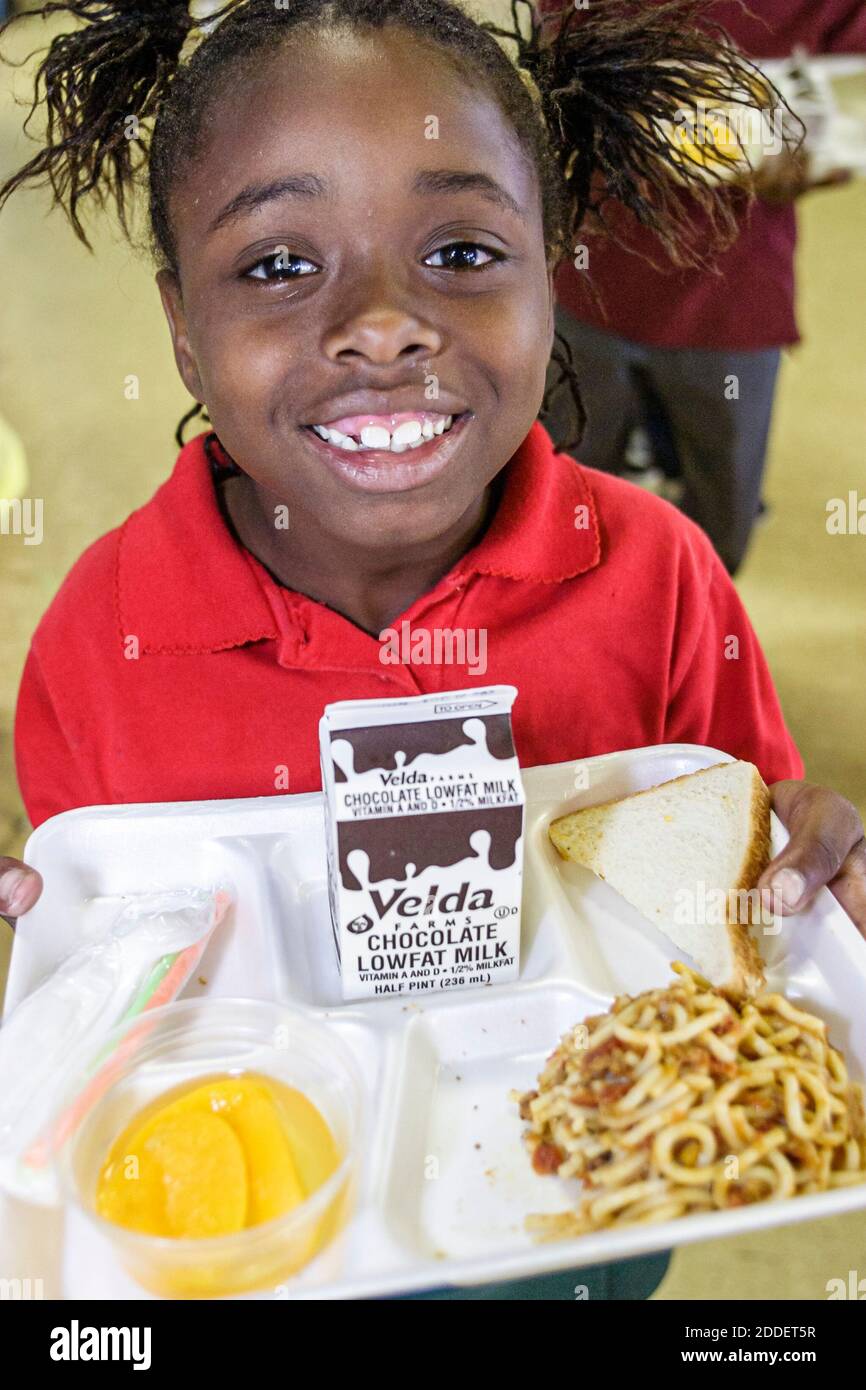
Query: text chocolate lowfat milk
point(424, 809)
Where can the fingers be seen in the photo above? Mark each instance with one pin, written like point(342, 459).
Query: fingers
point(833, 179)
point(824, 829)
point(849, 886)
point(782, 177)
point(20, 887)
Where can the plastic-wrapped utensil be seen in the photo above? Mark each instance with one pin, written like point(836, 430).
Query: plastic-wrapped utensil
point(143, 960)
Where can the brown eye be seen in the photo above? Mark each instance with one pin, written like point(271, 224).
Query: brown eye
point(461, 255)
point(282, 265)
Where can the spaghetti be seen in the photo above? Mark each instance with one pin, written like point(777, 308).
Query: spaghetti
point(681, 1100)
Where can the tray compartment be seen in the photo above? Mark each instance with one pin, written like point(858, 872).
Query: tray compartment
point(297, 885)
point(459, 1181)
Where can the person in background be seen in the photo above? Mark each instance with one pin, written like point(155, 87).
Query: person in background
point(693, 355)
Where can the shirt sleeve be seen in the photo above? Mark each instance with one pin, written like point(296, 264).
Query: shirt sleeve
point(52, 769)
point(721, 690)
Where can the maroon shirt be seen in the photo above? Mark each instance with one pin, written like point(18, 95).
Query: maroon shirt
point(749, 305)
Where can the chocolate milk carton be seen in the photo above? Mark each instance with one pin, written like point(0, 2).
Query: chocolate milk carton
point(424, 809)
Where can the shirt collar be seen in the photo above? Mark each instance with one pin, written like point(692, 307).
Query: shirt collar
point(546, 525)
point(185, 585)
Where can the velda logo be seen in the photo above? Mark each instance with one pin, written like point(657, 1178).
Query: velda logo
point(406, 905)
point(359, 925)
point(77, 1343)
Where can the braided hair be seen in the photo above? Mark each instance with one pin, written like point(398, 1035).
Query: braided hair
point(592, 94)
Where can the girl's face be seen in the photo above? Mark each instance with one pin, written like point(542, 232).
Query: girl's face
point(361, 238)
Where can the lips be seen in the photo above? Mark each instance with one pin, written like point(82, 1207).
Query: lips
point(387, 467)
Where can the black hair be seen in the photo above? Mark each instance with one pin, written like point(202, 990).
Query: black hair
point(592, 93)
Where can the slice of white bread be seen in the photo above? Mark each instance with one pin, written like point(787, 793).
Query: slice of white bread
point(680, 853)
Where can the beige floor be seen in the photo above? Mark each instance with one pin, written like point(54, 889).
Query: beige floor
point(77, 327)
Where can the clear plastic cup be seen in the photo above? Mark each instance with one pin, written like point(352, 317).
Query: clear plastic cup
point(200, 1038)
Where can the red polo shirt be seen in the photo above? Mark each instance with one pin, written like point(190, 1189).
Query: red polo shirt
point(748, 303)
point(170, 666)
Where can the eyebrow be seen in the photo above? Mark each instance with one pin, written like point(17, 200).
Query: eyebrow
point(426, 181)
point(256, 195)
point(462, 181)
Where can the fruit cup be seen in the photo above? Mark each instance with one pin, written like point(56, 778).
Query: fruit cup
point(175, 1047)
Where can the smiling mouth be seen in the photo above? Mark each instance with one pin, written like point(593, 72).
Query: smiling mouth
point(386, 434)
point(388, 453)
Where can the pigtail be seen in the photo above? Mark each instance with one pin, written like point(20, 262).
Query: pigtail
point(620, 82)
point(98, 84)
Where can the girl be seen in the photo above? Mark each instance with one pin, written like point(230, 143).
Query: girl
point(357, 207)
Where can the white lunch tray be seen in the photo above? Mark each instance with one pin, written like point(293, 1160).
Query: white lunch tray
point(447, 1181)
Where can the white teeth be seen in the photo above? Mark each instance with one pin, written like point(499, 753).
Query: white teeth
point(375, 437)
point(342, 441)
point(410, 435)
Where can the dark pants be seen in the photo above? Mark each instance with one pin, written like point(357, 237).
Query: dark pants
point(713, 407)
point(626, 1280)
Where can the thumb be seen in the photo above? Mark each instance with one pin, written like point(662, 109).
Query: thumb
point(20, 887)
point(823, 828)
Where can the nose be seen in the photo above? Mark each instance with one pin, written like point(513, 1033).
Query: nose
point(380, 329)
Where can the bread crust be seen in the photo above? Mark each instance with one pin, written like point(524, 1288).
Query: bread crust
point(645, 791)
point(749, 977)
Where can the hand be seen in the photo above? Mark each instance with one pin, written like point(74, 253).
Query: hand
point(20, 887)
point(827, 846)
point(783, 177)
